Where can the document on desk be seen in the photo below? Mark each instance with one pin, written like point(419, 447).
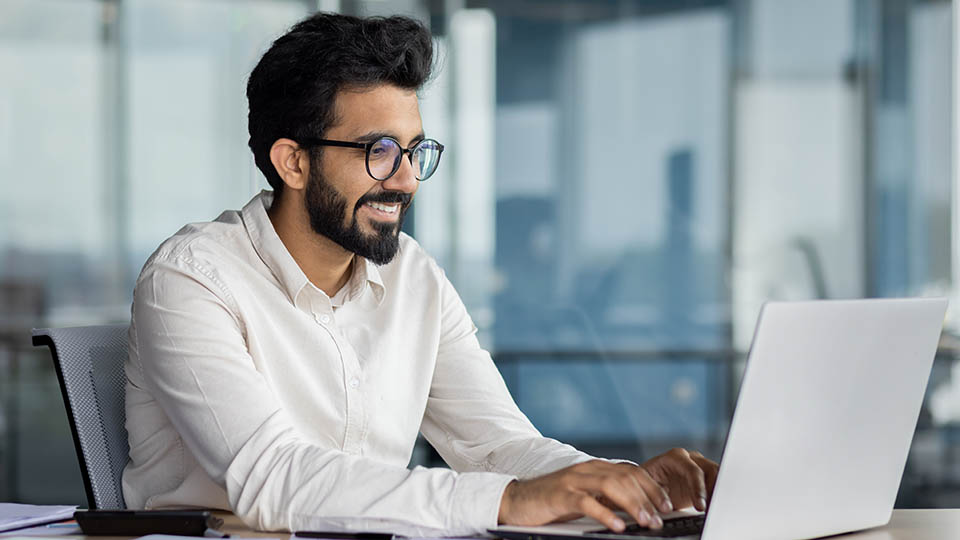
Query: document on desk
point(50, 530)
point(18, 516)
point(31, 537)
point(340, 535)
point(180, 537)
point(353, 528)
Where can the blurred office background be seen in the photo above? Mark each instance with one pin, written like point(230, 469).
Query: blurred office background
point(626, 182)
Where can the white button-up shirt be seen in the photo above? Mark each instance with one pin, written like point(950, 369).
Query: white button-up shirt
point(246, 390)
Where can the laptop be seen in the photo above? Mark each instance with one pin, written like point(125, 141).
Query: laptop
point(823, 424)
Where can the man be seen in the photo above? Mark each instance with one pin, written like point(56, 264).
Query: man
point(284, 358)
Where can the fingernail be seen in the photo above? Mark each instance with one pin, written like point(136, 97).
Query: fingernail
point(643, 518)
point(666, 505)
point(657, 522)
point(618, 524)
point(703, 503)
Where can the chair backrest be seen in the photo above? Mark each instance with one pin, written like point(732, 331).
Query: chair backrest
point(89, 364)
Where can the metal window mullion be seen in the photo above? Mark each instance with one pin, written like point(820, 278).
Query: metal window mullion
point(116, 146)
point(955, 164)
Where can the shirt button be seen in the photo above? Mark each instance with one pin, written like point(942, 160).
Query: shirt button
point(325, 319)
point(354, 382)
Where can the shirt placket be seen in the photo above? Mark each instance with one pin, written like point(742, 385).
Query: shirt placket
point(352, 379)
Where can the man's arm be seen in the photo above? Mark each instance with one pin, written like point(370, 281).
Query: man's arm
point(471, 419)
point(475, 425)
point(191, 349)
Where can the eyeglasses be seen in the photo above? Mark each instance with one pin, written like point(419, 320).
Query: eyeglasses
point(385, 153)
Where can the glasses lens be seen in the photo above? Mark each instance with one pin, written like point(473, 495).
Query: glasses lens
point(383, 158)
point(426, 157)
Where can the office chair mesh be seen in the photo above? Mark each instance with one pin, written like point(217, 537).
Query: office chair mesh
point(89, 362)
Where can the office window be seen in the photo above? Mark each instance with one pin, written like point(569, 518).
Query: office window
point(611, 204)
point(625, 182)
point(186, 69)
point(119, 122)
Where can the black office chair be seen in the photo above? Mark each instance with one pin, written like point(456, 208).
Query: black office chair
point(89, 364)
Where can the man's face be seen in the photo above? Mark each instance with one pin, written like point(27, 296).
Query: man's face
point(344, 203)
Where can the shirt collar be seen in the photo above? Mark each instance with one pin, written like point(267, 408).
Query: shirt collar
point(275, 255)
point(367, 273)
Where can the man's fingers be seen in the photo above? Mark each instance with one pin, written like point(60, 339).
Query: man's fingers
point(632, 497)
point(698, 467)
point(617, 487)
point(682, 476)
point(710, 470)
point(696, 483)
point(655, 492)
point(590, 506)
point(608, 503)
point(628, 488)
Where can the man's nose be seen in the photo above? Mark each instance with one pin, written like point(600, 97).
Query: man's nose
point(405, 179)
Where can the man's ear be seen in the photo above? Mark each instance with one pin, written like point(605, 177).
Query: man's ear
point(291, 162)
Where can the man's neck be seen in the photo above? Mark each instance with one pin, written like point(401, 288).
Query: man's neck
point(326, 264)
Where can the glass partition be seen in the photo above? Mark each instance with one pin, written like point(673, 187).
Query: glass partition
point(625, 183)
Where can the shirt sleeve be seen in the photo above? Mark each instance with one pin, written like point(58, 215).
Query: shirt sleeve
point(471, 419)
point(190, 347)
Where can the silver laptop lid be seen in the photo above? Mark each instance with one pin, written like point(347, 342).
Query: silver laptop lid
point(825, 418)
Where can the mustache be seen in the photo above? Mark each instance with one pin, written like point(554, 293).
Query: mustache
point(386, 197)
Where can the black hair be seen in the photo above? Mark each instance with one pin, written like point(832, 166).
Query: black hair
point(292, 90)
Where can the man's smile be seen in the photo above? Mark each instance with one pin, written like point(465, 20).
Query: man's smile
point(383, 211)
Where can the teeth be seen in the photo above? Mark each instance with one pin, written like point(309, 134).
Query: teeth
point(384, 207)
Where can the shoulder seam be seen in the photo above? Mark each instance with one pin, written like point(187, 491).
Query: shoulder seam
point(227, 295)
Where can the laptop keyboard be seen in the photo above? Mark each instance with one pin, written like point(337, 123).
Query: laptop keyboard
point(681, 526)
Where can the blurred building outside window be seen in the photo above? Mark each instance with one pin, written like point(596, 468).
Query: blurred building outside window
point(626, 182)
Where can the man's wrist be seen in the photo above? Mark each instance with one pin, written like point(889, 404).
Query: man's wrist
point(505, 502)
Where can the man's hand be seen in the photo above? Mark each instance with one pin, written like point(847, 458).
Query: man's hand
point(687, 476)
point(676, 479)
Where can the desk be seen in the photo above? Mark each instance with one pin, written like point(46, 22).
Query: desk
point(939, 524)
point(234, 527)
point(905, 525)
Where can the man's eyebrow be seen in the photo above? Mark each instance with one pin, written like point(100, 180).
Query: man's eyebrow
point(374, 135)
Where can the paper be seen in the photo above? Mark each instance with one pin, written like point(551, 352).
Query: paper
point(17, 516)
point(395, 527)
point(45, 531)
point(345, 536)
point(23, 537)
point(176, 537)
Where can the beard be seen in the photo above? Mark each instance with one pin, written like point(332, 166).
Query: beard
point(327, 209)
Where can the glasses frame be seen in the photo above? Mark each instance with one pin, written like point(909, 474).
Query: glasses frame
point(308, 142)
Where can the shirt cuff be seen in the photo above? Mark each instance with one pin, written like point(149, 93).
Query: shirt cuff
point(476, 501)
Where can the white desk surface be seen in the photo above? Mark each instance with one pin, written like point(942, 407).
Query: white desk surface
point(937, 524)
point(934, 524)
